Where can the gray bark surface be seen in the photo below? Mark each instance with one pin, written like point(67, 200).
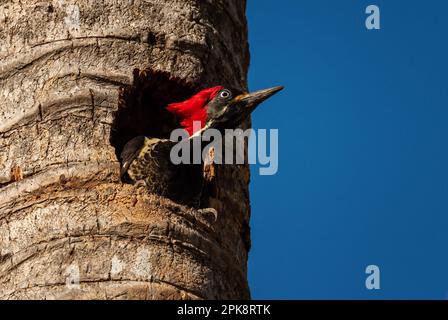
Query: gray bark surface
point(67, 69)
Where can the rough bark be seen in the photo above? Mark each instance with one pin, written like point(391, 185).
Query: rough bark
point(68, 69)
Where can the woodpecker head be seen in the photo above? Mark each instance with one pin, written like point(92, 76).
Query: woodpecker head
point(218, 107)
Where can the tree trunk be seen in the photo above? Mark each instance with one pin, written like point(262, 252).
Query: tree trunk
point(78, 78)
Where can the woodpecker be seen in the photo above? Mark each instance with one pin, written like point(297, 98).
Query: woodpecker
point(147, 160)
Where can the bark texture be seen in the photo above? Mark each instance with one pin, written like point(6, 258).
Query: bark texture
point(77, 79)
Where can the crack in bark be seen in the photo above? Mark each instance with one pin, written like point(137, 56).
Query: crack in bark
point(41, 178)
point(116, 235)
point(195, 294)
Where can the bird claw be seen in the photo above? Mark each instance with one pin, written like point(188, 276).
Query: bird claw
point(140, 183)
point(209, 214)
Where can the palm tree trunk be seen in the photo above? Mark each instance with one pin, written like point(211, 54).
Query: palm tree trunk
point(77, 78)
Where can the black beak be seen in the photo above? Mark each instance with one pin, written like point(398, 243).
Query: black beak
point(250, 101)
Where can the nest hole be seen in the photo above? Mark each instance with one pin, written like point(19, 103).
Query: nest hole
point(142, 112)
point(142, 107)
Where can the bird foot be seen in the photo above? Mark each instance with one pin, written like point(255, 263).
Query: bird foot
point(209, 214)
point(140, 183)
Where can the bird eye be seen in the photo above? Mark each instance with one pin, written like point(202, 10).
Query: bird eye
point(225, 94)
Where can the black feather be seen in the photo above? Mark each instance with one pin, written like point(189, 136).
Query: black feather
point(130, 152)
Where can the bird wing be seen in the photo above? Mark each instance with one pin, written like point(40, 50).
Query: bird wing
point(130, 152)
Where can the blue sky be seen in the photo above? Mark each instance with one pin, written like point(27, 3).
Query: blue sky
point(363, 159)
